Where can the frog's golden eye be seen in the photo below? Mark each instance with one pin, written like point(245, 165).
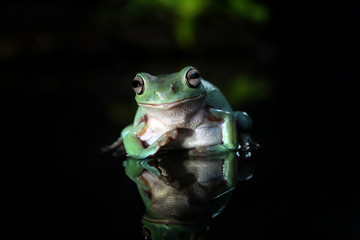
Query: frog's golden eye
point(138, 85)
point(146, 233)
point(193, 79)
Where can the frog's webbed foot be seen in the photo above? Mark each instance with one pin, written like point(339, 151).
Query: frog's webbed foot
point(246, 143)
point(209, 150)
point(244, 125)
point(158, 144)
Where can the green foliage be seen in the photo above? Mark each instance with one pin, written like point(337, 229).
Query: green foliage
point(183, 15)
point(247, 9)
point(183, 12)
point(244, 89)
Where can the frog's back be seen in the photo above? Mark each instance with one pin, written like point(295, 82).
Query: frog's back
point(215, 98)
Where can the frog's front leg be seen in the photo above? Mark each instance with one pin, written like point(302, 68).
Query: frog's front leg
point(135, 148)
point(244, 126)
point(228, 128)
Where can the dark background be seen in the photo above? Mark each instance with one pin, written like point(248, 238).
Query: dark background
point(66, 69)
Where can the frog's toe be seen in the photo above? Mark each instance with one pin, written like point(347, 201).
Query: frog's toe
point(253, 143)
point(117, 146)
point(164, 139)
point(247, 143)
point(116, 152)
point(172, 134)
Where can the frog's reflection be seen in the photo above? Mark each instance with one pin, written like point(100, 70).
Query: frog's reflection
point(183, 193)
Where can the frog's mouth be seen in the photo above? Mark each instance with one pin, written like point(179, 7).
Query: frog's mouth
point(171, 104)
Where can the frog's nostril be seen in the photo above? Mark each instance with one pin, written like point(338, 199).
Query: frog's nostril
point(172, 88)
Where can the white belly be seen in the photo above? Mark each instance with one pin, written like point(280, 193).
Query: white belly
point(195, 129)
point(199, 137)
point(204, 135)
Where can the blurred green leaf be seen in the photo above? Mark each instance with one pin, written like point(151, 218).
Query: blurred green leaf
point(181, 14)
point(244, 90)
point(247, 9)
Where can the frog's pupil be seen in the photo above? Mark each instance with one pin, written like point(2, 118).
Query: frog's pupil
point(195, 75)
point(136, 84)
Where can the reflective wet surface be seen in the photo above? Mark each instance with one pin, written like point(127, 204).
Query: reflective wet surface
point(184, 193)
point(50, 194)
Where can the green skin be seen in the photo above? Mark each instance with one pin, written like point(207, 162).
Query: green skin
point(158, 221)
point(172, 115)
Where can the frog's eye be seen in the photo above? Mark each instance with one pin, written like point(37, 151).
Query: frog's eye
point(193, 79)
point(138, 85)
point(146, 233)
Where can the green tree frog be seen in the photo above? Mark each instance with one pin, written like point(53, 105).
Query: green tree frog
point(182, 111)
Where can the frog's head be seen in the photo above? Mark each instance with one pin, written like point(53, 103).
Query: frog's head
point(165, 231)
point(168, 90)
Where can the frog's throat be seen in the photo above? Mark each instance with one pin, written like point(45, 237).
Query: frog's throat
point(171, 104)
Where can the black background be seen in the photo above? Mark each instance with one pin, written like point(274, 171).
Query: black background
point(55, 184)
